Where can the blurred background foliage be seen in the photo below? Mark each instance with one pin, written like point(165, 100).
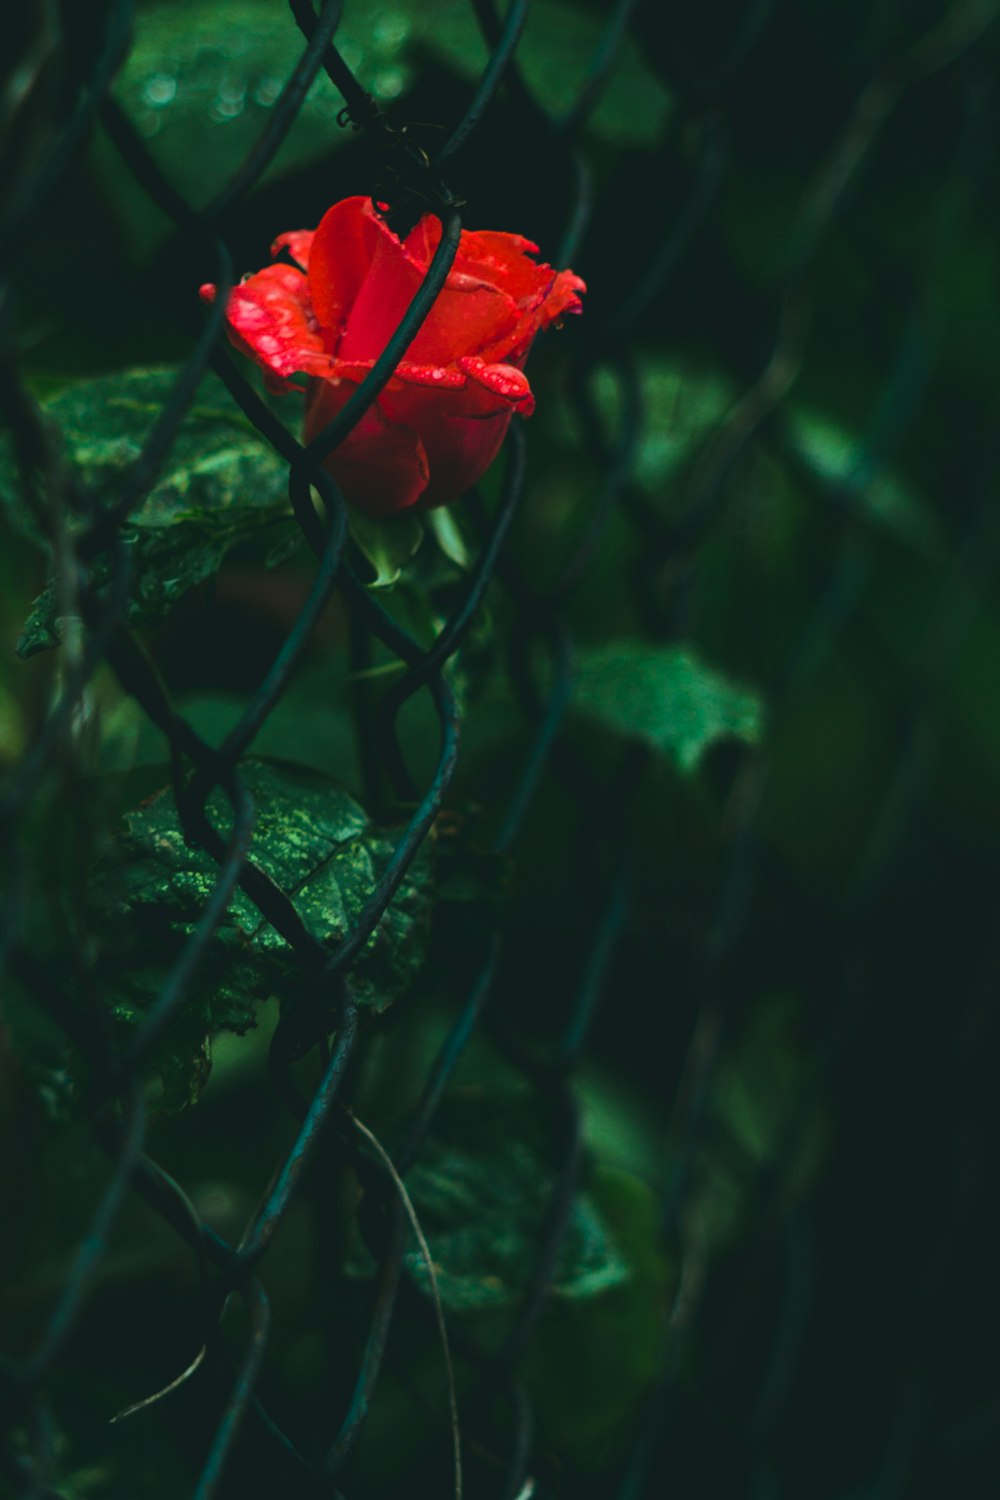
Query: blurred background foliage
point(794, 615)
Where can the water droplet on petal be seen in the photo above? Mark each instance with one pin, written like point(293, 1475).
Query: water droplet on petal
point(437, 374)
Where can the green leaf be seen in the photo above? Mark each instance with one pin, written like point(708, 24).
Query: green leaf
point(665, 696)
point(200, 89)
point(221, 484)
point(481, 1187)
point(387, 544)
point(588, 1364)
point(765, 1113)
point(682, 404)
point(309, 836)
point(448, 536)
point(836, 456)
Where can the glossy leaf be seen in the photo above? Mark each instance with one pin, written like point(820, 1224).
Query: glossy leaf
point(317, 844)
point(666, 697)
point(221, 484)
point(481, 1189)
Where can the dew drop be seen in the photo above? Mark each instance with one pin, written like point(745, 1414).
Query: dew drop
point(437, 374)
point(390, 29)
point(150, 122)
point(388, 83)
point(229, 101)
point(159, 90)
point(267, 91)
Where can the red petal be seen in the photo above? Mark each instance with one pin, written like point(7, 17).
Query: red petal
point(562, 297)
point(351, 246)
point(269, 317)
point(468, 313)
point(503, 381)
point(437, 377)
point(464, 319)
point(298, 243)
point(502, 259)
point(461, 429)
point(381, 466)
point(423, 239)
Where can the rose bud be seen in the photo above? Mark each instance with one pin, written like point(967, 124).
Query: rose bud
point(436, 427)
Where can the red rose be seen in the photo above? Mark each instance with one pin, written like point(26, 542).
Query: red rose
point(437, 425)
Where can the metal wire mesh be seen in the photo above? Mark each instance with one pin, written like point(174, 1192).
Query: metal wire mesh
point(326, 1016)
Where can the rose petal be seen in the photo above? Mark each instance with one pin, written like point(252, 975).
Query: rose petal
point(461, 429)
point(437, 377)
point(298, 243)
point(502, 259)
point(269, 317)
point(462, 321)
point(381, 466)
point(562, 298)
point(503, 381)
point(461, 432)
point(467, 313)
point(423, 240)
point(356, 261)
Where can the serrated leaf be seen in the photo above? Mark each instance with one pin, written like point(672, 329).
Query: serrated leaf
point(317, 843)
point(221, 484)
point(481, 1187)
point(665, 696)
point(387, 545)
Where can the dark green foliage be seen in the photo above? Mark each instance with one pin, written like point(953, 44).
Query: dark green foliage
point(481, 1188)
point(666, 697)
point(590, 1362)
point(221, 484)
point(317, 844)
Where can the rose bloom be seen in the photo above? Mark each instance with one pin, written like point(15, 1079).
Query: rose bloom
point(437, 425)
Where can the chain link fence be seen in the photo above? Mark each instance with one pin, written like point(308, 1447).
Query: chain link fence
point(724, 1317)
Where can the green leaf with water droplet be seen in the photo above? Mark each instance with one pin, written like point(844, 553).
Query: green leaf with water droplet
point(221, 484)
point(481, 1188)
point(201, 86)
point(665, 696)
point(317, 843)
